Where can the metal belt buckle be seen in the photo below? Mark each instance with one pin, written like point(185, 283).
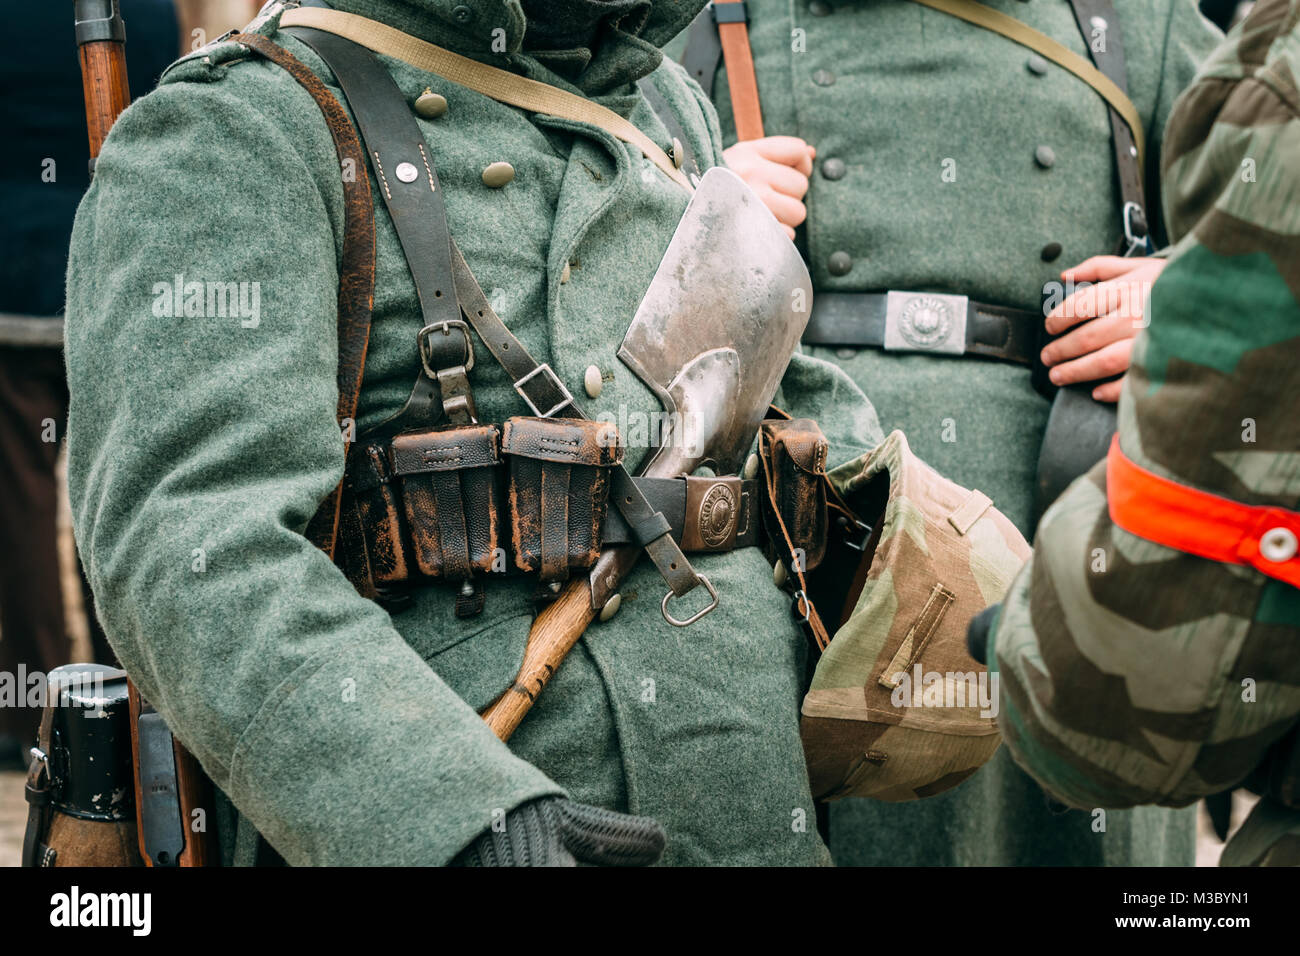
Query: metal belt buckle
point(426, 351)
point(544, 369)
point(925, 322)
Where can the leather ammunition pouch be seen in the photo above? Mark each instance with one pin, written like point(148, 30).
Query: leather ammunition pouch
point(449, 488)
point(425, 506)
point(558, 491)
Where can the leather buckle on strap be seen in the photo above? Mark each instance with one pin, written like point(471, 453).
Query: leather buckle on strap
point(426, 348)
point(925, 322)
point(546, 370)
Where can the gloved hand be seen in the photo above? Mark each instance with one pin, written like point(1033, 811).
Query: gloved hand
point(555, 832)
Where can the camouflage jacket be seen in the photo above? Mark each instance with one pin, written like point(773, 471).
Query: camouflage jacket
point(1132, 673)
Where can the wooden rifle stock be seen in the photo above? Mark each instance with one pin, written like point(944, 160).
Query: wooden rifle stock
point(101, 44)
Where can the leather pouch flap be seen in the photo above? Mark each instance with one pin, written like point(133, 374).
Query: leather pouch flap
point(571, 441)
point(451, 449)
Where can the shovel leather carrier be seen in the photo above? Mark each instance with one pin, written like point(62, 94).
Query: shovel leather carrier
point(449, 490)
point(558, 492)
point(797, 453)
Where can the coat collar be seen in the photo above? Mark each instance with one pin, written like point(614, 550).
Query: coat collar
point(489, 30)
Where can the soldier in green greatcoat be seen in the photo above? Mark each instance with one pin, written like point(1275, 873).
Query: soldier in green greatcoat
point(1151, 652)
point(941, 157)
point(200, 445)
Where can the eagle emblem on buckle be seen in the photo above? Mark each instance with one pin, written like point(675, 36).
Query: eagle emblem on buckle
point(718, 515)
point(925, 322)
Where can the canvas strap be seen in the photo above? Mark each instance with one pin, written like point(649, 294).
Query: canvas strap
point(500, 85)
point(1041, 43)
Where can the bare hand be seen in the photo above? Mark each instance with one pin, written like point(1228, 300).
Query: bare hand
point(1108, 315)
point(777, 169)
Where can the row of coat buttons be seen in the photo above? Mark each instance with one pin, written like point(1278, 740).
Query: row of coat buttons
point(841, 263)
point(430, 105)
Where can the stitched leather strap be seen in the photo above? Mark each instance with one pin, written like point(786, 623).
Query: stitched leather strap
point(356, 265)
point(733, 34)
point(1041, 43)
point(1101, 34)
point(500, 85)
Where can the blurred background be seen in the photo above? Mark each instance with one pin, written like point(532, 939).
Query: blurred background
point(46, 616)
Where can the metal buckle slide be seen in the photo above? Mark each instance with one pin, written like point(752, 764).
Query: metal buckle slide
point(713, 594)
point(544, 369)
point(426, 351)
point(1136, 244)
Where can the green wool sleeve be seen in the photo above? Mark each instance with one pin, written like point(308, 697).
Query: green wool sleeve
point(201, 352)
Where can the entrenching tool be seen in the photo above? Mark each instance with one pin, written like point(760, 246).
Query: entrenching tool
point(712, 338)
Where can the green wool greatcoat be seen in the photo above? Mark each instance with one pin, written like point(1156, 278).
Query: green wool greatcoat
point(201, 445)
point(929, 176)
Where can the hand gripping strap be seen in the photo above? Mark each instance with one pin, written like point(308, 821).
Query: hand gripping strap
point(356, 265)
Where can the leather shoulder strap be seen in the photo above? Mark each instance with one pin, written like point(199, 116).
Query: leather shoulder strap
point(356, 266)
point(1101, 34)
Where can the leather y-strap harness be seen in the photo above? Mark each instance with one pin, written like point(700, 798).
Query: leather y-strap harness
point(443, 279)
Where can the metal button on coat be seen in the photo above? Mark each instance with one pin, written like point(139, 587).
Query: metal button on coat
point(406, 172)
point(1278, 545)
point(839, 263)
point(1051, 252)
point(1036, 65)
point(592, 381)
point(819, 8)
point(677, 152)
point(834, 168)
point(779, 574)
point(1098, 23)
point(1045, 156)
point(751, 467)
point(824, 78)
point(498, 174)
point(430, 105)
point(565, 274)
point(462, 13)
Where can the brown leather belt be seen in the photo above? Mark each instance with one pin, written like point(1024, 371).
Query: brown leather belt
point(924, 322)
point(704, 514)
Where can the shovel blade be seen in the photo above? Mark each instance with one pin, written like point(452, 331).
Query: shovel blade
point(718, 326)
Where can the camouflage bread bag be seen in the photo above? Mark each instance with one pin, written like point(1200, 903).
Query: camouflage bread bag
point(898, 709)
